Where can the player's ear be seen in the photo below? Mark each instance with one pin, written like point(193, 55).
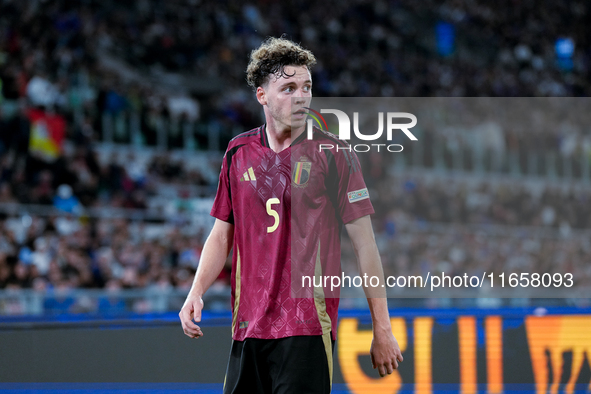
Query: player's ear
point(261, 96)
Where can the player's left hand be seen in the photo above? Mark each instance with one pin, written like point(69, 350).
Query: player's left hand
point(385, 353)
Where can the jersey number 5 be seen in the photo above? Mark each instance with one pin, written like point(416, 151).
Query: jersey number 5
point(273, 213)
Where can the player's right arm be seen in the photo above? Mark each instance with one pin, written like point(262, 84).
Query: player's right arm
point(213, 257)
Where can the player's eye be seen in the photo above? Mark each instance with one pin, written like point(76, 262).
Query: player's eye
point(288, 89)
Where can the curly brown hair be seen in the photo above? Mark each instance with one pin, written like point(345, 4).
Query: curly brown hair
point(272, 57)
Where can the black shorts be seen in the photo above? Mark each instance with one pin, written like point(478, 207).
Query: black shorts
point(300, 364)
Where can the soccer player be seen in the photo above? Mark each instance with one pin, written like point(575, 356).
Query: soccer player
point(281, 199)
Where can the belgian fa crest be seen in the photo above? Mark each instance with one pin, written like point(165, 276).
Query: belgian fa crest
point(301, 172)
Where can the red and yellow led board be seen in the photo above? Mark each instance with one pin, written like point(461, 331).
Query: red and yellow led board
point(490, 353)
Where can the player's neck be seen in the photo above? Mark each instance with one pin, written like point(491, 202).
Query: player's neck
point(281, 138)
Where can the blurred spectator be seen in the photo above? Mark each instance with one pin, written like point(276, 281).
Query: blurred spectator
point(183, 107)
point(65, 201)
point(61, 301)
point(42, 93)
point(112, 302)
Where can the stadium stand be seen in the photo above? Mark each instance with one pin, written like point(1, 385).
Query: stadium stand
point(142, 98)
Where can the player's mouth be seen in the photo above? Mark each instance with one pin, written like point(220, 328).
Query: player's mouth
point(300, 112)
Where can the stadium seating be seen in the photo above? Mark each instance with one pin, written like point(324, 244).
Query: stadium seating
point(144, 96)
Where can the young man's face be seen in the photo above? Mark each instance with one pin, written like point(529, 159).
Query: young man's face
point(283, 96)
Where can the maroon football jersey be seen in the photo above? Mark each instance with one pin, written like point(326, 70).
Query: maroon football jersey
point(287, 209)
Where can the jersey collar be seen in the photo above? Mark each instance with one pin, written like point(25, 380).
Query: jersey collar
point(265, 138)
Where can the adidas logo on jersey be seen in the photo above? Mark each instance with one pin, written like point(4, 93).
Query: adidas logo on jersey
point(248, 175)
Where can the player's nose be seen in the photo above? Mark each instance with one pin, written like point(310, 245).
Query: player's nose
point(302, 92)
point(300, 96)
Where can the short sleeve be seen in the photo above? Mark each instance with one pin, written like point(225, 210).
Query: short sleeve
point(352, 196)
point(222, 205)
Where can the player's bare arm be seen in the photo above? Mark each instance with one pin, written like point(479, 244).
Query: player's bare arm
point(215, 251)
point(385, 352)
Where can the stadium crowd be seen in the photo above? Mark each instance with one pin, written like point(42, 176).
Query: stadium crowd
point(94, 253)
point(52, 58)
point(91, 252)
point(54, 52)
point(510, 203)
point(459, 251)
point(118, 181)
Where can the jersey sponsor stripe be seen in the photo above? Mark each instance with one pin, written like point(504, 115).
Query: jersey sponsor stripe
point(237, 292)
point(348, 155)
point(251, 173)
point(264, 140)
point(323, 317)
point(351, 162)
point(229, 156)
point(247, 134)
point(299, 139)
